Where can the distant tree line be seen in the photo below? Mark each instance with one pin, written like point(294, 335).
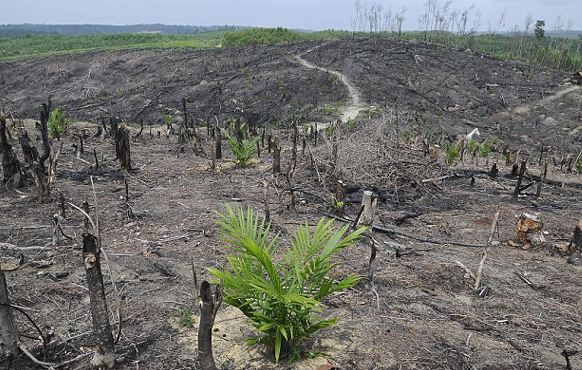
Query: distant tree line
point(93, 29)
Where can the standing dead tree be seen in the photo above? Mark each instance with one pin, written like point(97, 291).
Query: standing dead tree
point(44, 173)
point(105, 354)
point(10, 165)
point(209, 305)
point(9, 336)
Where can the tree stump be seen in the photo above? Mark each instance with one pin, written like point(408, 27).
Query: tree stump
point(209, 305)
point(9, 336)
point(124, 149)
point(10, 163)
point(369, 203)
point(218, 145)
point(276, 149)
point(105, 355)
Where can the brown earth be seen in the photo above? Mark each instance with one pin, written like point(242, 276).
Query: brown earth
point(425, 314)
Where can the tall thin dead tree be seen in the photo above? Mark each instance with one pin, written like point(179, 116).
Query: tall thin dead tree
point(9, 336)
point(105, 354)
point(44, 172)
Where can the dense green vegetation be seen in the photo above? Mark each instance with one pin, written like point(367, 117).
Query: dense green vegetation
point(275, 36)
point(44, 45)
point(261, 36)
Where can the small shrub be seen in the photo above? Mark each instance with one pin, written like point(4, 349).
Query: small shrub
point(185, 318)
point(280, 294)
point(451, 154)
point(243, 151)
point(579, 165)
point(486, 149)
point(57, 123)
point(473, 147)
point(169, 120)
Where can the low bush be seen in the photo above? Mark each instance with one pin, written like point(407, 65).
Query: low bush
point(58, 123)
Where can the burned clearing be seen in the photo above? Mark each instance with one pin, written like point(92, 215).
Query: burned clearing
point(452, 279)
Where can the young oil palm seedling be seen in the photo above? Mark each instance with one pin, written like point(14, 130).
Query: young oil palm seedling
point(280, 288)
point(243, 150)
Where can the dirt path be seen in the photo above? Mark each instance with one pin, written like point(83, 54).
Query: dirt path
point(355, 106)
point(548, 99)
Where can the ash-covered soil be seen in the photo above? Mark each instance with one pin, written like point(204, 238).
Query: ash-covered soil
point(422, 313)
point(452, 91)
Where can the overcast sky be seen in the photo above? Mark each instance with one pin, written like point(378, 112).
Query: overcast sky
point(306, 14)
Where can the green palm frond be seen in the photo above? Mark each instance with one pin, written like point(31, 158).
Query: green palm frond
point(243, 151)
point(281, 296)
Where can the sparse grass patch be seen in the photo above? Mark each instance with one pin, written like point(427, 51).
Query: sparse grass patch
point(185, 318)
point(451, 154)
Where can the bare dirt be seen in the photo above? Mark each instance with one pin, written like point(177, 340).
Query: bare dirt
point(425, 314)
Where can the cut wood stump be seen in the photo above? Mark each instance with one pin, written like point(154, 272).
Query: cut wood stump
point(105, 354)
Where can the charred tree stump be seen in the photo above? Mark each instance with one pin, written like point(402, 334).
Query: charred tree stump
point(28, 149)
point(9, 336)
point(209, 305)
point(238, 133)
point(10, 163)
point(522, 169)
point(96, 159)
point(542, 180)
point(369, 203)
point(105, 355)
point(124, 149)
point(218, 145)
point(276, 149)
point(80, 147)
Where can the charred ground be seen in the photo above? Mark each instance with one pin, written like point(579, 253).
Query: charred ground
point(425, 315)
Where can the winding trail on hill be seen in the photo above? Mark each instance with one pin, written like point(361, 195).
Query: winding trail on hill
point(525, 108)
point(355, 106)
